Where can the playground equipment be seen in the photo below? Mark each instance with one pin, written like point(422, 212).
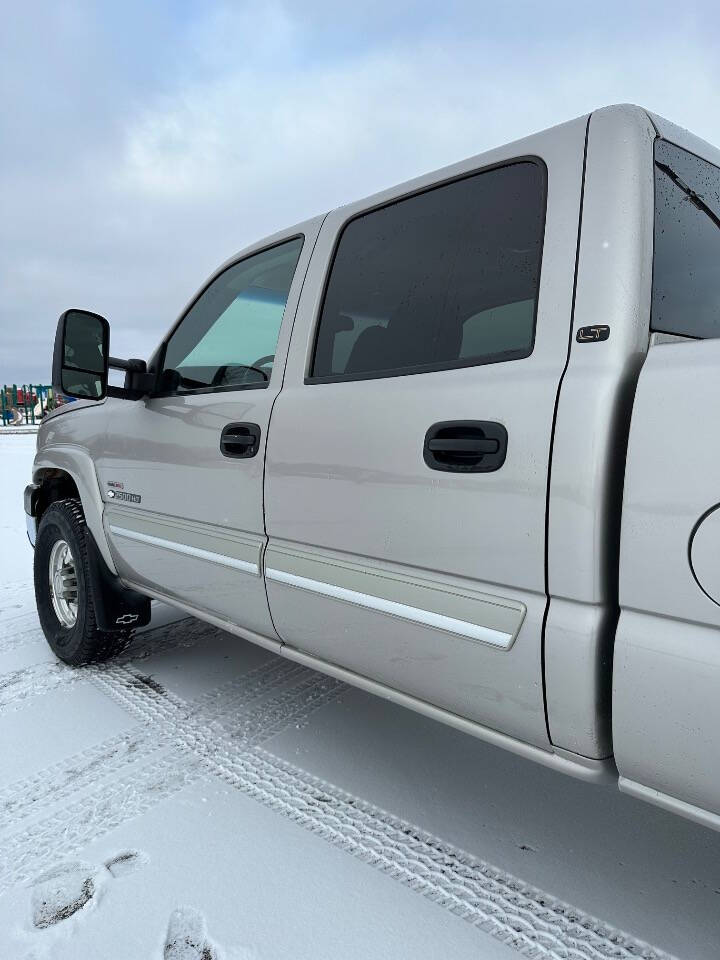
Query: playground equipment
point(25, 404)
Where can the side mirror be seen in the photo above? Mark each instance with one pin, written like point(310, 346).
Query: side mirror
point(81, 355)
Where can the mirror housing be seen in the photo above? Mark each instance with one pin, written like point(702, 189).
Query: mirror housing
point(81, 360)
point(81, 355)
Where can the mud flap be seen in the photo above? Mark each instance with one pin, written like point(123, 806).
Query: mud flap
point(116, 606)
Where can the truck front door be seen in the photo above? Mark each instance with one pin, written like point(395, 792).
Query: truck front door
point(182, 472)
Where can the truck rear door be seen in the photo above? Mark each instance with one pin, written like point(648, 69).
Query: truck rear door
point(407, 464)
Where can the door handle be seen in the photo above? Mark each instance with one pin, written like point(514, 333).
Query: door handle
point(240, 440)
point(465, 446)
point(469, 445)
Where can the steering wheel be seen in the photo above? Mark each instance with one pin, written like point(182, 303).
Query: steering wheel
point(238, 374)
point(263, 361)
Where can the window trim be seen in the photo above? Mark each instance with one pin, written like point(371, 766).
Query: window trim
point(162, 346)
point(446, 364)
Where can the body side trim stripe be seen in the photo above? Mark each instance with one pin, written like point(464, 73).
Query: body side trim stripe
point(462, 628)
point(144, 521)
point(188, 550)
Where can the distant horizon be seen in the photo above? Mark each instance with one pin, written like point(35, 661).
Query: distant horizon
point(150, 143)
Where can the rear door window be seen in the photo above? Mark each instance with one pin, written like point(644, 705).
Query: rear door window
point(446, 278)
point(686, 268)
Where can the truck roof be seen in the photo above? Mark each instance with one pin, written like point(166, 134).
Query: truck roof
point(624, 111)
point(627, 115)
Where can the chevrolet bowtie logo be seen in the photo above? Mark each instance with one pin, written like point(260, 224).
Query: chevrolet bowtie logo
point(127, 618)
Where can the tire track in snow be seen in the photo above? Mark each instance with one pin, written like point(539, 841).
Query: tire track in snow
point(154, 778)
point(513, 912)
point(11, 620)
point(194, 742)
point(20, 638)
point(35, 680)
point(20, 631)
point(16, 617)
point(62, 780)
point(111, 758)
point(169, 713)
point(17, 686)
point(38, 848)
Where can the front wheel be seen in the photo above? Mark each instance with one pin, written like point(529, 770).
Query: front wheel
point(64, 592)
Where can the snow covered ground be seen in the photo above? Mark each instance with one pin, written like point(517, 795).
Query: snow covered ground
point(202, 798)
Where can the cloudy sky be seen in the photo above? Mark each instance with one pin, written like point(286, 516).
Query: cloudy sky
point(143, 143)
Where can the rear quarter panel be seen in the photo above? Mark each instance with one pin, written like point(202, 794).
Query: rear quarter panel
point(666, 707)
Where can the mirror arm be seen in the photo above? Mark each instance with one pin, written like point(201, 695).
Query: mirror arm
point(132, 366)
point(140, 386)
point(138, 382)
point(121, 393)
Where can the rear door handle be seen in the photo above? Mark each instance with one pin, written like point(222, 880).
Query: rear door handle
point(240, 440)
point(465, 446)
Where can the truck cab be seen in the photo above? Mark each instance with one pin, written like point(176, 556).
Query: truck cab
point(450, 443)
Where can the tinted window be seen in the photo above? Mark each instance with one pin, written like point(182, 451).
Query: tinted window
point(443, 279)
point(686, 270)
point(228, 337)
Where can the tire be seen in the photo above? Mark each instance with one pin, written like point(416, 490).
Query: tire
point(70, 626)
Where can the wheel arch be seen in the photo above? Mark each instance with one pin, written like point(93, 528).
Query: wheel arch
point(67, 471)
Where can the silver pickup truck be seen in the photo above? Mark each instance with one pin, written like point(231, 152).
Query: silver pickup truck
point(455, 443)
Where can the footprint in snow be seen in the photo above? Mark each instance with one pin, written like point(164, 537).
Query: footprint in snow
point(187, 937)
point(124, 863)
point(66, 888)
point(60, 892)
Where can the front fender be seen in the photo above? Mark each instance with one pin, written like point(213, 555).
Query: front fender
point(77, 463)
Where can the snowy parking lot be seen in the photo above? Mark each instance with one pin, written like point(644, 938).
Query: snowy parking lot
point(202, 798)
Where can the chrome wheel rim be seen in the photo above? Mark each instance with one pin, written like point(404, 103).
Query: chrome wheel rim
point(63, 584)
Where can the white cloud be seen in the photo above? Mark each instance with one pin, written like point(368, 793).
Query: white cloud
point(244, 126)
